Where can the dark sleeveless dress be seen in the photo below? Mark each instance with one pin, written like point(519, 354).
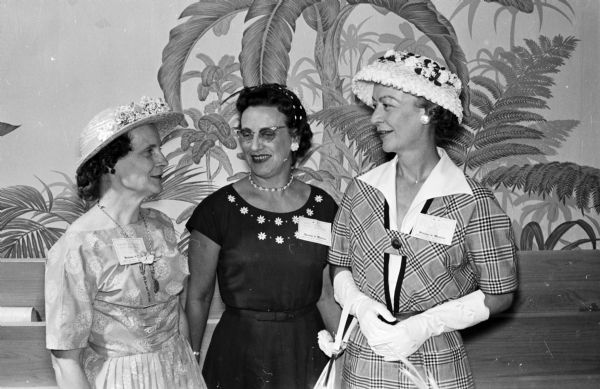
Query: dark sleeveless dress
point(270, 282)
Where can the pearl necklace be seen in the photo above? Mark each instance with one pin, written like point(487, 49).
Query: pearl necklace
point(280, 189)
point(148, 256)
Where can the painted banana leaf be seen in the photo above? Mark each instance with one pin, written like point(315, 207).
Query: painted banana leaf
point(266, 43)
point(203, 16)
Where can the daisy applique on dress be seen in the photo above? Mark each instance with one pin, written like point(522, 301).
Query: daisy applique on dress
point(275, 227)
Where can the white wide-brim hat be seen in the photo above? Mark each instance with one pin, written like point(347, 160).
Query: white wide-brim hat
point(111, 123)
point(410, 73)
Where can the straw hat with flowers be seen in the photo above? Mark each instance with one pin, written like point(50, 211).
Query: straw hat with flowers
point(114, 122)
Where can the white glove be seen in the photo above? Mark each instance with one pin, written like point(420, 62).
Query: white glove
point(326, 343)
point(404, 338)
point(364, 308)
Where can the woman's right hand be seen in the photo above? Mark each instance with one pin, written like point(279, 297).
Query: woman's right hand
point(68, 370)
point(369, 313)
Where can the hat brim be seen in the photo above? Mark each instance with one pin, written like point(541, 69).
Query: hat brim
point(404, 79)
point(165, 123)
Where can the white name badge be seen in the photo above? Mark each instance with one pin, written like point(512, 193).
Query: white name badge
point(315, 231)
point(129, 250)
point(434, 229)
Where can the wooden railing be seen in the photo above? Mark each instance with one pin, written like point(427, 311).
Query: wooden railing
point(550, 338)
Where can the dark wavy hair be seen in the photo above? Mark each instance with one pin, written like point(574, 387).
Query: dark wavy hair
point(444, 122)
point(89, 175)
point(286, 102)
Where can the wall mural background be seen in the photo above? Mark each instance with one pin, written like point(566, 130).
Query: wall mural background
point(514, 140)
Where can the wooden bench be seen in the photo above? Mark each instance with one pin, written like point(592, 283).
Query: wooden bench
point(550, 338)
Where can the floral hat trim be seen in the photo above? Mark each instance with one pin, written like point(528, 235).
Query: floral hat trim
point(127, 114)
point(114, 122)
point(411, 73)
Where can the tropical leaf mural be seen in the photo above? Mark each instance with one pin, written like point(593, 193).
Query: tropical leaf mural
point(507, 139)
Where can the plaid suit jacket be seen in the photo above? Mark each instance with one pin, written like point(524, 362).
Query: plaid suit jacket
point(482, 255)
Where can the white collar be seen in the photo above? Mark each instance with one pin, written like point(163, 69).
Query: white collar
point(445, 179)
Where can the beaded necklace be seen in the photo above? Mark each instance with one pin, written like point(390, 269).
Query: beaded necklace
point(147, 256)
point(280, 189)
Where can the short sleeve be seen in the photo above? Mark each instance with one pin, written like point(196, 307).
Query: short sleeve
point(339, 253)
point(70, 289)
point(491, 247)
point(207, 216)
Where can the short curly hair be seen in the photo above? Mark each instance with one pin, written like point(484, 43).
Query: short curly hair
point(89, 175)
point(444, 122)
point(286, 102)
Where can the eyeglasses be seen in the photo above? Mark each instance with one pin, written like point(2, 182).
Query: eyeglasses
point(265, 134)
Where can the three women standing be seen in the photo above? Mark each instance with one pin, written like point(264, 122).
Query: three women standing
point(260, 237)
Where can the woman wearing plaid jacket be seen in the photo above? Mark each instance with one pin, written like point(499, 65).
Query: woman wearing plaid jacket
point(419, 250)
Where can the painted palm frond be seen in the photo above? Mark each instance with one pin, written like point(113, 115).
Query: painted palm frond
point(495, 152)
point(69, 206)
point(504, 116)
point(266, 43)
point(354, 122)
point(472, 5)
point(563, 179)
point(504, 133)
point(28, 223)
point(181, 184)
point(17, 201)
point(27, 238)
point(203, 16)
point(511, 120)
point(534, 64)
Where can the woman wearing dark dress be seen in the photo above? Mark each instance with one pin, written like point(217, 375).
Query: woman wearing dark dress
point(266, 238)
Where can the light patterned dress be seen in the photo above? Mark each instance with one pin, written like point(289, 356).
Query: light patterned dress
point(130, 334)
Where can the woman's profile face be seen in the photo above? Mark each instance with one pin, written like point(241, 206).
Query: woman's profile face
point(397, 118)
point(265, 141)
point(140, 171)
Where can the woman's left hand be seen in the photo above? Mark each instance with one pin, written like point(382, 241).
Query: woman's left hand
point(326, 343)
point(402, 339)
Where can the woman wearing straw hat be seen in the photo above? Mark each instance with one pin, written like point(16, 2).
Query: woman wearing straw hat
point(114, 279)
point(419, 250)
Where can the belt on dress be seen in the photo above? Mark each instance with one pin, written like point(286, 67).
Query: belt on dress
point(270, 315)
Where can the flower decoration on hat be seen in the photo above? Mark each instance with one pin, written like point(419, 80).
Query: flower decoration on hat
point(414, 74)
point(127, 114)
point(424, 67)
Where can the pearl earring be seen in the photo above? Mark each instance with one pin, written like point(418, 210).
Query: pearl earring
point(424, 119)
point(294, 146)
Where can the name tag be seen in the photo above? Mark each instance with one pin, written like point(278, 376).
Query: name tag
point(434, 229)
point(315, 231)
point(130, 250)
